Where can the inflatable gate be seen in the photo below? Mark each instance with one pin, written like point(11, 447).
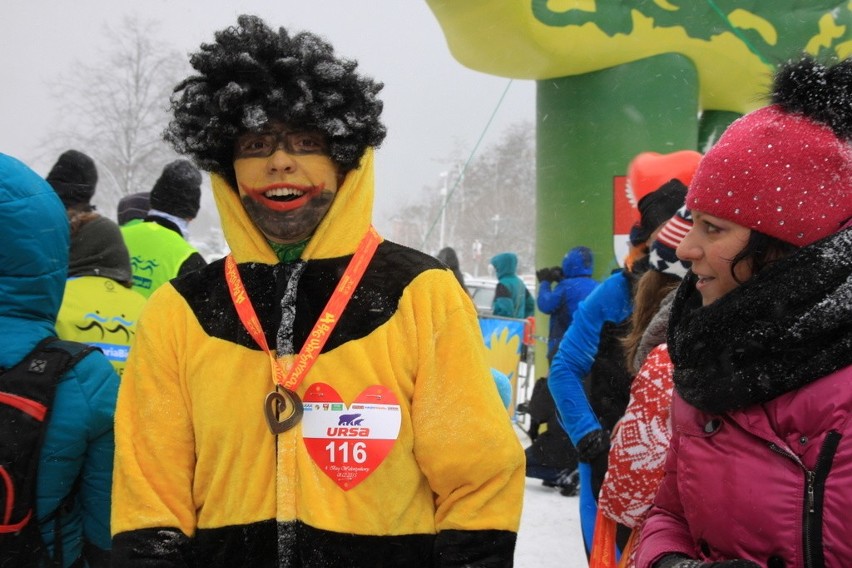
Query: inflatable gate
point(618, 78)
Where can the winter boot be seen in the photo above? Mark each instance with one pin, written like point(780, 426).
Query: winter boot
point(569, 483)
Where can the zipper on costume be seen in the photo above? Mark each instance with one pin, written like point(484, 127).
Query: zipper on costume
point(808, 505)
point(809, 518)
point(814, 482)
point(811, 475)
point(820, 475)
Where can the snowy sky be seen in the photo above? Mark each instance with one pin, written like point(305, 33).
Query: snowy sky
point(433, 104)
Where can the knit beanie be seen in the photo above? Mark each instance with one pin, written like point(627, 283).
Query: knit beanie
point(73, 178)
point(178, 190)
point(133, 206)
point(663, 257)
point(98, 249)
point(785, 170)
point(649, 170)
point(656, 208)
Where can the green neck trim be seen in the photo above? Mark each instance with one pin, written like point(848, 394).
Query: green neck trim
point(289, 252)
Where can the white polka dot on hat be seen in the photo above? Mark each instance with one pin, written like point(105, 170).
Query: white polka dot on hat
point(782, 170)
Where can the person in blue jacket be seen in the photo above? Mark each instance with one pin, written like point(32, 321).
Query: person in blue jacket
point(573, 283)
point(511, 297)
point(590, 358)
point(78, 443)
point(551, 456)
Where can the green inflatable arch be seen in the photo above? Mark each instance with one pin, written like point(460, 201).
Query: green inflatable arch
point(617, 78)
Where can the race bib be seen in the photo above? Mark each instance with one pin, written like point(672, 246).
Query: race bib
point(348, 443)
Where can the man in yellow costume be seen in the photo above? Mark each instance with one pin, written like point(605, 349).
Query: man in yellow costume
point(320, 397)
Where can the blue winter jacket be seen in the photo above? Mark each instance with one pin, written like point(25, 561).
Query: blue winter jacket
point(79, 441)
point(610, 302)
point(511, 297)
point(561, 301)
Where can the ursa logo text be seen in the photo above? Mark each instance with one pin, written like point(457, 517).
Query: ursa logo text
point(336, 432)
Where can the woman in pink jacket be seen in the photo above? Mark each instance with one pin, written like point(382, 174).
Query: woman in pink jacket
point(759, 470)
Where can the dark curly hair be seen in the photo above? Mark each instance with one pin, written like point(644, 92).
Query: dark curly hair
point(760, 251)
point(252, 75)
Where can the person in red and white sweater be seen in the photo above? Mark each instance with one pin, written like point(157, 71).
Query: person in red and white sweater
point(641, 437)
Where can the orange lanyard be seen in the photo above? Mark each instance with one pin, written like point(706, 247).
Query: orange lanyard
point(291, 378)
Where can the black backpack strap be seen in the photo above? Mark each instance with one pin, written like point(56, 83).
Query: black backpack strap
point(76, 351)
point(36, 361)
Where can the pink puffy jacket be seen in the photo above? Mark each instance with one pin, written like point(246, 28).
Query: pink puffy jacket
point(771, 483)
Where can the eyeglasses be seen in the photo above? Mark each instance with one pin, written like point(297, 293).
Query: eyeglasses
point(296, 142)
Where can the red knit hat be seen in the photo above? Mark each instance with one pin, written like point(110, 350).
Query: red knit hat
point(784, 170)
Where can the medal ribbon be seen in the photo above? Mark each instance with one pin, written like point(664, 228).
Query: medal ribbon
point(324, 325)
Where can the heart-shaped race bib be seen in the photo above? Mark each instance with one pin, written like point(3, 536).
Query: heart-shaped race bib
point(349, 443)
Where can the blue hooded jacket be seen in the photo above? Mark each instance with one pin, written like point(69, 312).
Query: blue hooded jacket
point(79, 441)
point(511, 298)
point(561, 302)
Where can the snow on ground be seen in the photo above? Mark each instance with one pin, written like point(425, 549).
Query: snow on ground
point(550, 530)
point(550, 527)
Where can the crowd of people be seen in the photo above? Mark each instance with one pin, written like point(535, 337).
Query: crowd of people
point(728, 453)
point(697, 398)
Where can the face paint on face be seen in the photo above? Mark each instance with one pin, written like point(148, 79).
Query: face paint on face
point(286, 180)
point(711, 245)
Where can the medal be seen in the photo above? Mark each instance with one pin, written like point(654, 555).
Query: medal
point(278, 417)
point(284, 401)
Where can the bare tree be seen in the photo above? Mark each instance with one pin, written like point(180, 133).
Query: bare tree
point(485, 206)
point(115, 109)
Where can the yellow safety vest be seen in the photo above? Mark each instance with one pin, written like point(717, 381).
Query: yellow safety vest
point(101, 312)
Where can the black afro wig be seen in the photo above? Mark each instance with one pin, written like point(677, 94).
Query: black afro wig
point(252, 75)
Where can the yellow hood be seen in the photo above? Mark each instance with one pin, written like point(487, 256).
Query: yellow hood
point(338, 233)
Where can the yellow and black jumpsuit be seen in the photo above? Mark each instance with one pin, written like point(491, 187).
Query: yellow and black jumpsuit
point(201, 481)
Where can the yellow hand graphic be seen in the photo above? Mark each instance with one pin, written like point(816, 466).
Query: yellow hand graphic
point(504, 353)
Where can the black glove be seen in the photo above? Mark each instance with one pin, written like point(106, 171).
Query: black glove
point(593, 449)
point(679, 561)
point(551, 274)
point(543, 274)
